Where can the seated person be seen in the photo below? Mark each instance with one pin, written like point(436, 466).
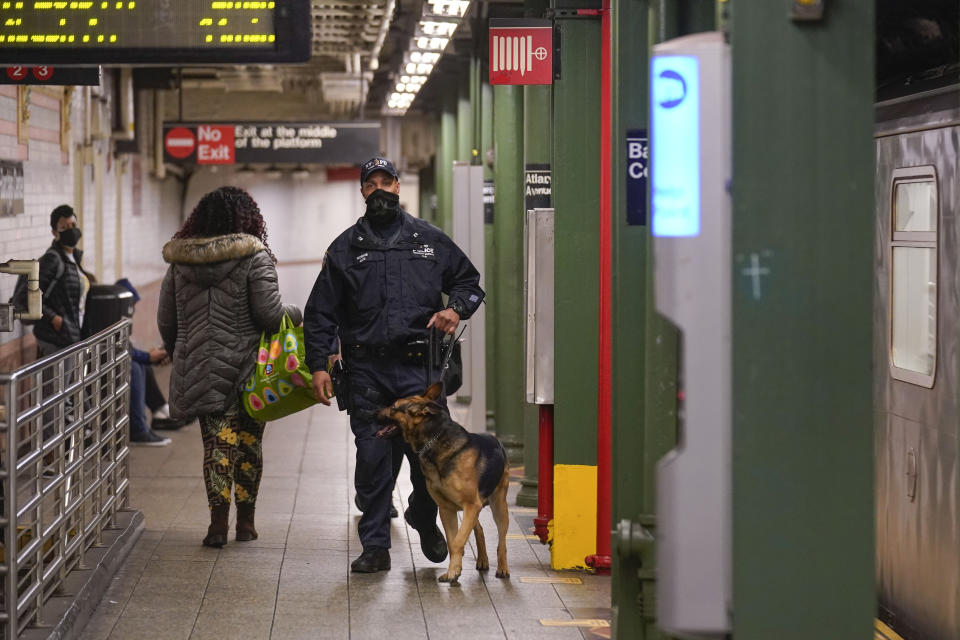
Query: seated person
point(141, 372)
point(140, 431)
point(157, 403)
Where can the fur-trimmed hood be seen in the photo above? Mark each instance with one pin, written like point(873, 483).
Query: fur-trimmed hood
point(211, 250)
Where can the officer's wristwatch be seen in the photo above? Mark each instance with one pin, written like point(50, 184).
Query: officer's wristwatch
point(457, 307)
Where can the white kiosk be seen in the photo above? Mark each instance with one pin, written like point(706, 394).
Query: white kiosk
point(691, 218)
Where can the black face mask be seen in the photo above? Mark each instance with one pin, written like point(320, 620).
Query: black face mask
point(382, 207)
point(70, 237)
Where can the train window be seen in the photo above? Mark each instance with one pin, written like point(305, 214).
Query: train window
point(913, 283)
point(916, 206)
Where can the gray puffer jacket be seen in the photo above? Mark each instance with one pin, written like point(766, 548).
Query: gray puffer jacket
point(219, 294)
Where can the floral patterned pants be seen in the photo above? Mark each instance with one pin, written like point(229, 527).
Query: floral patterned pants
point(232, 456)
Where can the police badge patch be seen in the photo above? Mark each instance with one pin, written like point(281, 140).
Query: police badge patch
point(425, 251)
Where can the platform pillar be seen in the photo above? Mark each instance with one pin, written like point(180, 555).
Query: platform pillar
point(638, 440)
point(508, 233)
point(446, 154)
point(803, 238)
point(490, 268)
point(576, 200)
point(536, 150)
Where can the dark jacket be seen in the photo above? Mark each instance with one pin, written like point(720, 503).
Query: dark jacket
point(219, 294)
point(63, 300)
point(374, 294)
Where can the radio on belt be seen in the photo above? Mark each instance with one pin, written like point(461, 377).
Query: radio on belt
point(691, 223)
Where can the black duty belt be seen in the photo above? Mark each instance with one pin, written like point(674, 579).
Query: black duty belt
point(414, 353)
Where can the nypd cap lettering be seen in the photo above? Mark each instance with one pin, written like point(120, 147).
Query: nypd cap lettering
point(378, 164)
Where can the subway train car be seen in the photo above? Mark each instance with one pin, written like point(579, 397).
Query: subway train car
point(917, 358)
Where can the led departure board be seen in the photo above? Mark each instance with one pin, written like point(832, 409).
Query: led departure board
point(178, 32)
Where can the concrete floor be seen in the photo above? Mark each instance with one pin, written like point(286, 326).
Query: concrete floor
point(295, 581)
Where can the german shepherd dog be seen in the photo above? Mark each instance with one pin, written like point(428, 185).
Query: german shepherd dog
point(464, 471)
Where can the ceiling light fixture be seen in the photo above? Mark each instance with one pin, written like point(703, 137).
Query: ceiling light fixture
point(438, 23)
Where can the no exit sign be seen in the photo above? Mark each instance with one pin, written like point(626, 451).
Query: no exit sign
point(200, 144)
point(521, 51)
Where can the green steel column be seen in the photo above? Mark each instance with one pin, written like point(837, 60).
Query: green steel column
point(428, 194)
point(446, 154)
point(489, 248)
point(536, 150)
point(437, 163)
point(637, 443)
point(476, 110)
point(576, 199)
point(508, 231)
point(803, 234)
point(464, 118)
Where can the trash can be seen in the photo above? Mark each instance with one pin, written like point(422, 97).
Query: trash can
point(106, 304)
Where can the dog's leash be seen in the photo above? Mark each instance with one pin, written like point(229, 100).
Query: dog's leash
point(448, 353)
point(446, 357)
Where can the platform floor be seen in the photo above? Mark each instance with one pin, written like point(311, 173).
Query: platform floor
point(295, 581)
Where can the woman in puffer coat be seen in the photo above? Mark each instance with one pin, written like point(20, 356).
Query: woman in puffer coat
point(219, 294)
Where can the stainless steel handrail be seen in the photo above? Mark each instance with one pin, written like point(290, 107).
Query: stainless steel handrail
point(64, 469)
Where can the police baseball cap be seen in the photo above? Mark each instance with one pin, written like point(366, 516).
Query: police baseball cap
point(377, 164)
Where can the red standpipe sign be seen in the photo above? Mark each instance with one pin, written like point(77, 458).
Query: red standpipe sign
point(521, 51)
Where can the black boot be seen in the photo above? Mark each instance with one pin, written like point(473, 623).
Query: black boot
point(372, 559)
point(432, 542)
point(245, 529)
point(219, 525)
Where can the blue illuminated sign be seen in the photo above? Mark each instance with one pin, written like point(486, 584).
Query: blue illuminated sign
point(675, 146)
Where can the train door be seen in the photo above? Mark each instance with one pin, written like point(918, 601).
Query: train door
point(917, 356)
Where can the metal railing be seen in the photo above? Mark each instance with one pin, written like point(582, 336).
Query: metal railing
point(63, 470)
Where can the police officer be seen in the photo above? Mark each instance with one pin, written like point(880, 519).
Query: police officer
point(379, 292)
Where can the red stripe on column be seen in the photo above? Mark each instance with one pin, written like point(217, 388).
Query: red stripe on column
point(601, 561)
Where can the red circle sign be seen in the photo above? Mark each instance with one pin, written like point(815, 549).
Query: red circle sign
point(43, 73)
point(180, 142)
point(17, 73)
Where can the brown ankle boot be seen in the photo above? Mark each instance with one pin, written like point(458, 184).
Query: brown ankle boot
point(219, 526)
point(245, 528)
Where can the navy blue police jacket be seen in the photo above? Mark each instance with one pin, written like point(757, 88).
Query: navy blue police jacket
point(374, 294)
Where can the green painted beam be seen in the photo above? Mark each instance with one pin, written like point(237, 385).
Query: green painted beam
point(428, 192)
point(576, 197)
point(803, 157)
point(446, 154)
point(489, 249)
point(476, 110)
point(632, 483)
point(464, 118)
point(508, 232)
point(437, 186)
point(536, 150)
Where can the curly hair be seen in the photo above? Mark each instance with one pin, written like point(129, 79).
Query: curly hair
point(223, 211)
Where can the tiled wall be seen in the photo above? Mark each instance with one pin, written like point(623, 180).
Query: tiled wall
point(149, 214)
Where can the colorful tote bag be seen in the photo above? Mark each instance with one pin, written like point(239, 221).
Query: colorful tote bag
point(281, 383)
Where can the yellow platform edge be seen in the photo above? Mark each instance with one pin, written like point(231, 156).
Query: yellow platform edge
point(574, 515)
point(883, 632)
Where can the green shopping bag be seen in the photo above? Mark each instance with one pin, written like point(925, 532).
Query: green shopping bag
point(281, 383)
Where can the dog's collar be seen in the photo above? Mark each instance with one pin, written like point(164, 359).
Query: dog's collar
point(429, 444)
